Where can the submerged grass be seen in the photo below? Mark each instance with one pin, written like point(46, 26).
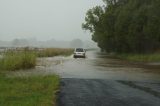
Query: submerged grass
point(155, 57)
point(50, 52)
point(30, 91)
point(17, 60)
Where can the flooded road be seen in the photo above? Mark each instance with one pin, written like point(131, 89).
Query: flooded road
point(101, 66)
point(100, 80)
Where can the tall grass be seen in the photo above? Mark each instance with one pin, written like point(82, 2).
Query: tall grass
point(26, 59)
point(13, 60)
point(50, 52)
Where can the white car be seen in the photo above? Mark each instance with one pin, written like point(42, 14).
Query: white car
point(79, 52)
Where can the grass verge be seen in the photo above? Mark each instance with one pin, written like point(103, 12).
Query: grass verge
point(155, 57)
point(30, 91)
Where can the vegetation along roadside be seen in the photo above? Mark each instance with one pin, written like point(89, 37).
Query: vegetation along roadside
point(32, 90)
point(155, 57)
point(28, 91)
point(25, 59)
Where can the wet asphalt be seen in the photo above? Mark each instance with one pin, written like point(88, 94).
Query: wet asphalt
point(98, 92)
point(102, 81)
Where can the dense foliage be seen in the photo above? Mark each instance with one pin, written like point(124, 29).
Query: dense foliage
point(125, 26)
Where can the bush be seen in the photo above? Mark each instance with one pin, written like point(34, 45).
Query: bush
point(18, 60)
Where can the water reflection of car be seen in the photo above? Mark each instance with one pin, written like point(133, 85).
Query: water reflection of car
point(79, 53)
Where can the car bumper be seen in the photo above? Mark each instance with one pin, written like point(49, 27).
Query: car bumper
point(79, 56)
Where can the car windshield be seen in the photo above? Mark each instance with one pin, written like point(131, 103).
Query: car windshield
point(79, 50)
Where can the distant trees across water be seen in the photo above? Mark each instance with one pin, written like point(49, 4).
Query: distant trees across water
point(125, 26)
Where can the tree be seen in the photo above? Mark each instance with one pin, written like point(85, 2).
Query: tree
point(125, 25)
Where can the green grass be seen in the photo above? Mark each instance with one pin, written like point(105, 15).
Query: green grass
point(18, 60)
point(155, 57)
point(50, 52)
point(30, 91)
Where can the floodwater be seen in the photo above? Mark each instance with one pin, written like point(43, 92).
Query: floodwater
point(96, 66)
point(1, 56)
point(100, 66)
point(105, 81)
point(101, 80)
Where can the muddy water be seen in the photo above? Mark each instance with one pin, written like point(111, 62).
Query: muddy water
point(100, 66)
point(95, 66)
point(1, 56)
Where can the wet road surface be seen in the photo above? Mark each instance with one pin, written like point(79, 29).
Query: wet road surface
point(102, 81)
point(98, 92)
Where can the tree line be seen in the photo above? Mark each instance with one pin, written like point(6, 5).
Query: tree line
point(125, 26)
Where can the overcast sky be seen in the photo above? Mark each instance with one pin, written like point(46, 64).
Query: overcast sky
point(44, 19)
